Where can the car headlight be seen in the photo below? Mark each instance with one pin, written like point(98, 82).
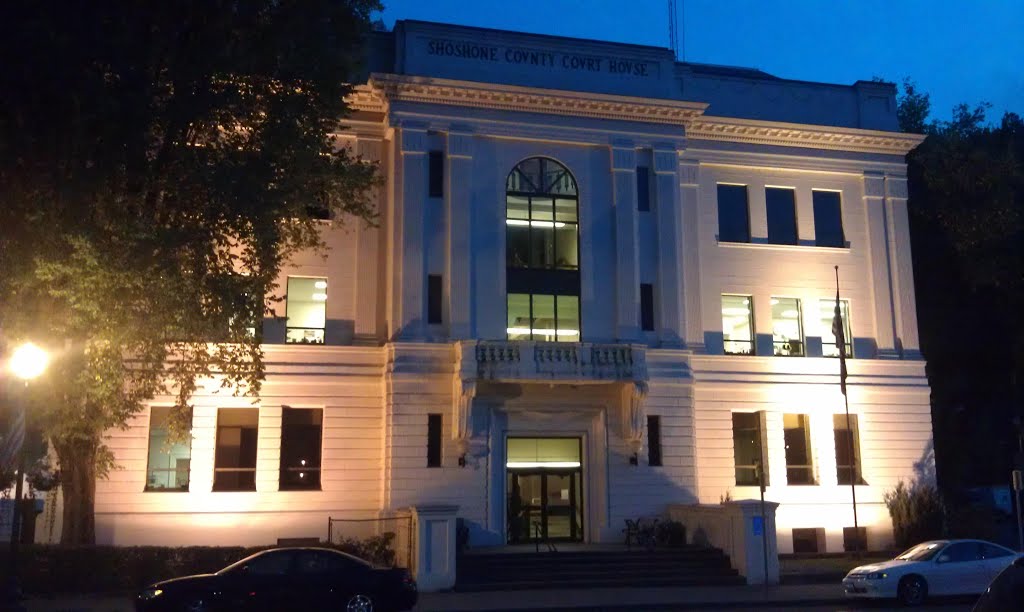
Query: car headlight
point(877, 576)
point(151, 593)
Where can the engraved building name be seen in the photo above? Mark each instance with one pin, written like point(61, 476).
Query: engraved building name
point(535, 57)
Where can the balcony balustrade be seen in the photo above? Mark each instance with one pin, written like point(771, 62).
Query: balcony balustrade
point(527, 360)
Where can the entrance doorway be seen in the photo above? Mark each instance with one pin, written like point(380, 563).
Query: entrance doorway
point(544, 489)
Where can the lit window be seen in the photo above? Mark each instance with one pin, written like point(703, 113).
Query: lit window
point(168, 465)
point(738, 324)
point(542, 252)
point(550, 318)
point(828, 219)
point(827, 310)
point(847, 449)
point(541, 219)
point(733, 214)
point(307, 310)
point(797, 434)
point(787, 332)
point(301, 431)
point(781, 208)
point(748, 447)
point(234, 463)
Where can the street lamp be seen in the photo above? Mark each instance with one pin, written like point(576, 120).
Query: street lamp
point(27, 362)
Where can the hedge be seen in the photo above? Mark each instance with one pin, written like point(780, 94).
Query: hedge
point(51, 569)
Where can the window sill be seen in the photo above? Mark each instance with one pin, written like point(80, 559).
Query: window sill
point(163, 490)
point(300, 490)
point(798, 248)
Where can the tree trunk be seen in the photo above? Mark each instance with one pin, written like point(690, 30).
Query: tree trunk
point(78, 486)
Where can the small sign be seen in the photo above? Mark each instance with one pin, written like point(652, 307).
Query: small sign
point(758, 525)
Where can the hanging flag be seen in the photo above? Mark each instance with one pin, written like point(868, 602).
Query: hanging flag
point(12, 442)
point(840, 333)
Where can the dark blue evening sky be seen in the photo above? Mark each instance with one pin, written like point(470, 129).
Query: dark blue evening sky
point(956, 50)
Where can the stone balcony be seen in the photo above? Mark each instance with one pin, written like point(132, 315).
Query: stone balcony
point(564, 361)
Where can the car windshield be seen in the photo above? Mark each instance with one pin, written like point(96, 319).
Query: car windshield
point(922, 552)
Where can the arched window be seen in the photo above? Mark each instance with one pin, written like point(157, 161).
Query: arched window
point(542, 252)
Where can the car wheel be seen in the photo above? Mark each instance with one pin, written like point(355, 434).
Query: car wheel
point(912, 591)
point(359, 603)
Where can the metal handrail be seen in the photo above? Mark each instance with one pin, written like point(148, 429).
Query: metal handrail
point(538, 534)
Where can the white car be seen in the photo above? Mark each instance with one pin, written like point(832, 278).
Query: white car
point(940, 567)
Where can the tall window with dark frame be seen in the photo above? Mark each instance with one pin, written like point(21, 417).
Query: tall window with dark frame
point(748, 445)
point(435, 167)
point(646, 307)
point(542, 252)
point(653, 440)
point(435, 299)
point(301, 440)
point(780, 204)
point(306, 310)
point(828, 219)
point(168, 464)
point(799, 461)
point(847, 449)
point(234, 461)
point(434, 440)
point(643, 189)
point(738, 324)
point(787, 327)
point(733, 214)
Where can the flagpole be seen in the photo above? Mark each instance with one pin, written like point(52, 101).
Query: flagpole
point(849, 429)
point(13, 586)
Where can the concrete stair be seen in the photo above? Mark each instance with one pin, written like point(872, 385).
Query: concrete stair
point(499, 571)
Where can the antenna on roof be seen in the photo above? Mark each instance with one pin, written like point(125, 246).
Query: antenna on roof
point(672, 27)
point(681, 38)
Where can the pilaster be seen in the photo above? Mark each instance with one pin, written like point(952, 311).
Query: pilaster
point(670, 259)
point(268, 449)
point(901, 267)
point(690, 316)
point(409, 280)
point(458, 280)
point(627, 266)
point(878, 258)
point(368, 277)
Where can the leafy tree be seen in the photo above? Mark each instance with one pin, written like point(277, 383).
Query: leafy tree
point(967, 226)
point(159, 161)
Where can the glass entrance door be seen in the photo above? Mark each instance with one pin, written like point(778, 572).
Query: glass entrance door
point(544, 489)
point(544, 504)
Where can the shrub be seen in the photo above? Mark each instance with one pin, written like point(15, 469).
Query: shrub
point(917, 513)
point(671, 534)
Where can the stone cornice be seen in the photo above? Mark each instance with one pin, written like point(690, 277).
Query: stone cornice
point(367, 99)
point(801, 135)
point(534, 100)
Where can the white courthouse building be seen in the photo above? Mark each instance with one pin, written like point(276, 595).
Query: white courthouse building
point(601, 280)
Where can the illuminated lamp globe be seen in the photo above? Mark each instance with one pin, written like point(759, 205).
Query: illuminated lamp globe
point(28, 361)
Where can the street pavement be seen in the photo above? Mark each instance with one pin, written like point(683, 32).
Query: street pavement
point(818, 598)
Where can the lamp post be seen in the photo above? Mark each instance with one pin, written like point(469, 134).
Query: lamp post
point(27, 362)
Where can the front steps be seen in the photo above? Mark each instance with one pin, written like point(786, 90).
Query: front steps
point(599, 568)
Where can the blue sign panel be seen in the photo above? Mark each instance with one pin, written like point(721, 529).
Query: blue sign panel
point(758, 525)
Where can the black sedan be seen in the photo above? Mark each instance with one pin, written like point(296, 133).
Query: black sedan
point(287, 579)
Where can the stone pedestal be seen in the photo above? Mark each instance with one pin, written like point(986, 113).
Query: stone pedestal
point(434, 547)
point(737, 528)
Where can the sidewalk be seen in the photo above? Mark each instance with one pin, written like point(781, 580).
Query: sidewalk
point(674, 598)
point(668, 598)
